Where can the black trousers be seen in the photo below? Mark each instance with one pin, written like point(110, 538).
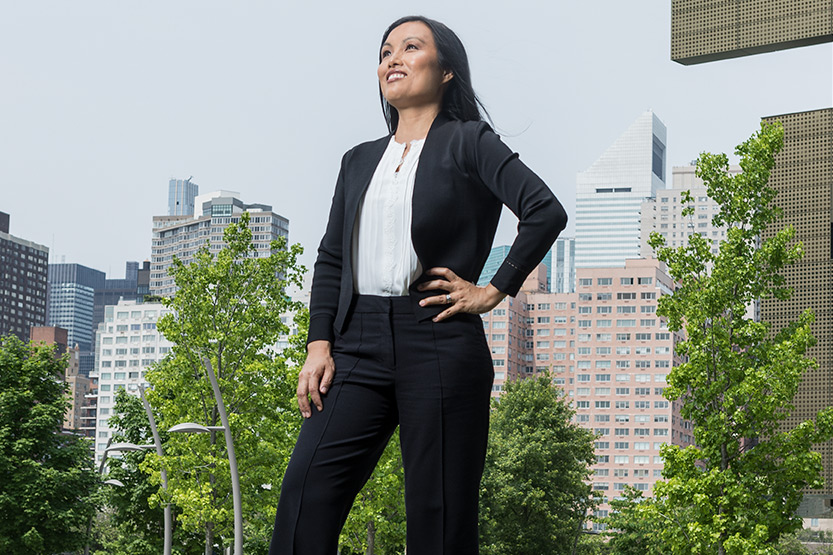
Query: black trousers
point(434, 381)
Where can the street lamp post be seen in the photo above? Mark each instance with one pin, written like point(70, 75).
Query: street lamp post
point(168, 539)
point(232, 460)
point(115, 447)
point(235, 477)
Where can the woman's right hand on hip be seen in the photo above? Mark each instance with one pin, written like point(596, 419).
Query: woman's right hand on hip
point(316, 377)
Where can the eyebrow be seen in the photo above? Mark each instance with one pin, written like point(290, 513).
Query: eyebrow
point(406, 39)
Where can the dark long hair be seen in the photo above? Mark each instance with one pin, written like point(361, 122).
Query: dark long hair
point(459, 101)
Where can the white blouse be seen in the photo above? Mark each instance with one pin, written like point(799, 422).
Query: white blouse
point(384, 261)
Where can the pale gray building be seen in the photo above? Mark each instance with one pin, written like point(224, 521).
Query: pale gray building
point(182, 236)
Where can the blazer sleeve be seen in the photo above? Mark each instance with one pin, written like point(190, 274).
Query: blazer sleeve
point(326, 278)
point(540, 216)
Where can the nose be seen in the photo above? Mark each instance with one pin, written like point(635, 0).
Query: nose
point(393, 59)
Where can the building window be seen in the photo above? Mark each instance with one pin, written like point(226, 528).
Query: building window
point(658, 158)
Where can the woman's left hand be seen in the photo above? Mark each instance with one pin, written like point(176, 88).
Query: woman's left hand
point(462, 296)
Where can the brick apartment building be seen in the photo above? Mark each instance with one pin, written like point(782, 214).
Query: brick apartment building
point(611, 354)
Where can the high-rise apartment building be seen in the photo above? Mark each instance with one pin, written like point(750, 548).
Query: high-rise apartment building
point(609, 194)
point(71, 301)
point(663, 213)
point(607, 349)
point(133, 287)
point(624, 353)
point(706, 31)
point(181, 195)
point(79, 386)
point(183, 236)
point(511, 333)
point(23, 283)
point(127, 343)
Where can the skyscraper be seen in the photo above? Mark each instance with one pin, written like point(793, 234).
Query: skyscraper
point(23, 283)
point(563, 253)
point(127, 344)
point(181, 195)
point(133, 287)
point(803, 177)
point(623, 356)
point(71, 303)
point(183, 236)
point(610, 353)
point(610, 192)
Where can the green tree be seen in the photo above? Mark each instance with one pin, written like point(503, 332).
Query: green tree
point(737, 490)
point(228, 309)
point(632, 526)
point(46, 478)
point(789, 545)
point(592, 544)
point(131, 524)
point(535, 494)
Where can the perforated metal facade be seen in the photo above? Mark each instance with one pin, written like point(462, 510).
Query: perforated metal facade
point(803, 178)
point(709, 30)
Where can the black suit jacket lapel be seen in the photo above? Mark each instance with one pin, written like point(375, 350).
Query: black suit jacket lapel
point(362, 166)
point(432, 152)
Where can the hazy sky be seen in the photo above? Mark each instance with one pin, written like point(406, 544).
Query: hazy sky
point(103, 101)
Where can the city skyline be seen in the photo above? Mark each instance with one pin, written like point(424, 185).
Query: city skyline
point(251, 112)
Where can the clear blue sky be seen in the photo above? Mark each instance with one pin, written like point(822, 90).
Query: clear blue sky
point(102, 102)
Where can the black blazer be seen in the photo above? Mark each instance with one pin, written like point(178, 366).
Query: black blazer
point(464, 176)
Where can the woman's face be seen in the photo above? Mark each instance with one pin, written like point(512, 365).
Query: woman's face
point(409, 73)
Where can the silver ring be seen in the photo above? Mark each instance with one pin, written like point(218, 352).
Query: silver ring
point(448, 298)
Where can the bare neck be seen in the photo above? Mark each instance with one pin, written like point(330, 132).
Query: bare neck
point(414, 123)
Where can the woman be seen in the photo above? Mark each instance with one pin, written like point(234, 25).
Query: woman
point(394, 335)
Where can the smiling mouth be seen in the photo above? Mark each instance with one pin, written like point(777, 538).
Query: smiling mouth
point(395, 77)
